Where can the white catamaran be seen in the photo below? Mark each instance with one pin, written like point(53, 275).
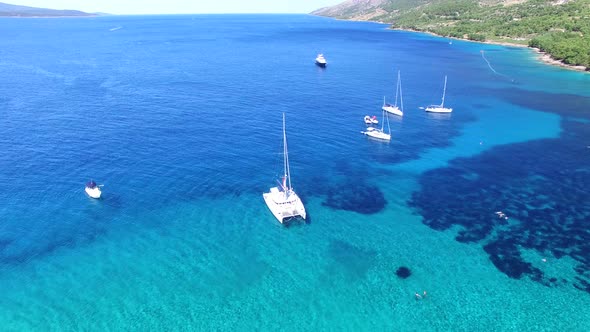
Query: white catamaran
point(282, 201)
point(394, 109)
point(440, 108)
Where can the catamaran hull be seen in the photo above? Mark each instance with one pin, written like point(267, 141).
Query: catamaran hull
point(284, 210)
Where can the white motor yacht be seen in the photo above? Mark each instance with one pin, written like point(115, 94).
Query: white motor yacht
point(93, 190)
point(321, 61)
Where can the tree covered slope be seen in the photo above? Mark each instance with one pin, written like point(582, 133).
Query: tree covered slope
point(559, 27)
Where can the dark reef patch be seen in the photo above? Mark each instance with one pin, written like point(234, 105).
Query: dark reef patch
point(360, 198)
point(355, 262)
point(403, 272)
point(542, 187)
point(440, 129)
point(60, 231)
point(567, 105)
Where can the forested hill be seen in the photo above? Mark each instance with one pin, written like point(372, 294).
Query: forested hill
point(559, 27)
point(24, 11)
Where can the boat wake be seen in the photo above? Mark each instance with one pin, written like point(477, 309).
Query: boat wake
point(492, 68)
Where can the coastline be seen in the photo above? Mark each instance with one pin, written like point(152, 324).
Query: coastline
point(541, 56)
point(547, 59)
point(47, 16)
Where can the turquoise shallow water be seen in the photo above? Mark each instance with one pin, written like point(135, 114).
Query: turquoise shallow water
point(180, 116)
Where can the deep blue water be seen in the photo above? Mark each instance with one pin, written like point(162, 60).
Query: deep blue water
point(180, 118)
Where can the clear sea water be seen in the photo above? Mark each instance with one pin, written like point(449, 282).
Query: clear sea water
point(180, 118)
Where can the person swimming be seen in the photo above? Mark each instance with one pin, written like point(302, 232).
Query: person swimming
point(418, 296)
point(501, 215)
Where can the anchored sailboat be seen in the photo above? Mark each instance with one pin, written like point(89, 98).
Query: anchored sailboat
point(440, 108)
point(282, 201)
point(379, 133)
point(394, 109)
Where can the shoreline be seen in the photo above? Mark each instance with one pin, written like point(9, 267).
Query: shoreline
point(48, 16)
point(547, 59)
point(540, 56)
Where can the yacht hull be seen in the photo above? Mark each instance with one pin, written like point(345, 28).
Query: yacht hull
point(378, 134)
point(438, 110)
point(93, 192)
point(393, 110)
point(284, 208)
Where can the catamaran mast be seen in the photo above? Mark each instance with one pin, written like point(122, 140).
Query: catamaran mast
point(286, 157)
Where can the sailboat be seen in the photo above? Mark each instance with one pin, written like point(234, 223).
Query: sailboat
point(379, 133)
point(440, 108)
point(394, 109)
point(282, 200)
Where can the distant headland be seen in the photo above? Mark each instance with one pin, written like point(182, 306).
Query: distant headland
point(560, 29)
point(8, 10)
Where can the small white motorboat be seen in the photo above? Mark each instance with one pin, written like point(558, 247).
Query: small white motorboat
point(321, 61)
point(371, 119)
point(92, 189)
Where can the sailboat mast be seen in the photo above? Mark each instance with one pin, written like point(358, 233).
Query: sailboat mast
point(401, 98)
point(286, 156)
point(397, 88)
point(388, 128)
point(444, 91)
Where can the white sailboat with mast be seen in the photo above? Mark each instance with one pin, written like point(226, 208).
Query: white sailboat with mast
point(379, 133)
point(282, 200)
point(440, 108)
point(394, 109)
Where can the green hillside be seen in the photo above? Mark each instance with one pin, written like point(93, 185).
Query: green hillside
point(560, 28)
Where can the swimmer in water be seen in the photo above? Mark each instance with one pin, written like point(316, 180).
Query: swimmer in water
point(418, 296)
